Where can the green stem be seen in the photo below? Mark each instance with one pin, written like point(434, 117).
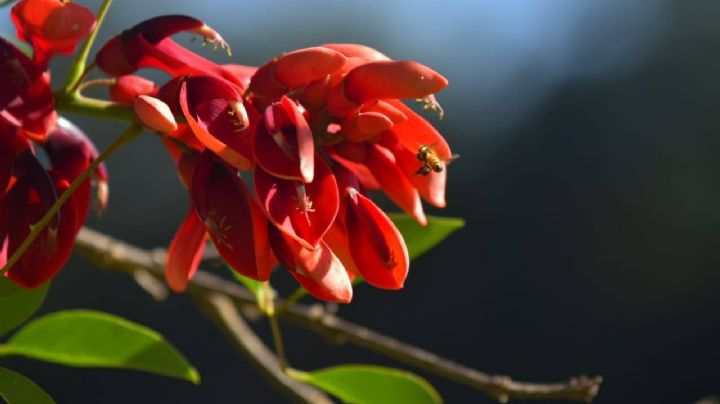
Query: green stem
point(275, 327)
point(80, 104)
point(129, 134)
point(78, 67)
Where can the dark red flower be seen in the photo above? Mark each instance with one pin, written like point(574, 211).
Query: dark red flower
point(30, 192)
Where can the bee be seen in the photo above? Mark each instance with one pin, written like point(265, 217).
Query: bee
point(430, 160)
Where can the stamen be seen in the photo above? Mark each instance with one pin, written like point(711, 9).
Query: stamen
point(304, 204)
point(431, 103)
point(211, 36)
point(238, 110)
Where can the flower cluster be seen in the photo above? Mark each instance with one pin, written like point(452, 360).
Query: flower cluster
point(313, 130)
point(28, 124)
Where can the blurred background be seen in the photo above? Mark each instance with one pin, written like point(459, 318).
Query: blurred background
point(587, 179)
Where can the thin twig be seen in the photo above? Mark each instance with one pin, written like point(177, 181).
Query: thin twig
point(109, 252)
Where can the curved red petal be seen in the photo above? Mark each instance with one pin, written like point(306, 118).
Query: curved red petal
point(126, 88)
point(416, 131)
point(365, 125)
point(52, 26)
point(283, 145)
point(376, 245)
point(294, 69)
point(357, 50)
point(185, 251)
point(388, 79)
point(301, 211)
point(432, 186)
point(353, 156)
point(318, 270)
point(394, 183)
point(234, 222)
point(211, 106)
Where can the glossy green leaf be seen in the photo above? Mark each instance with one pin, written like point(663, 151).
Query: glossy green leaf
point(420, 239)
point(18, 389)
point(87, 338)
point(4, 3)
point(17, 304)
point(366, 384)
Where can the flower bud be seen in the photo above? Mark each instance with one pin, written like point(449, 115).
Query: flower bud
point(154, 114)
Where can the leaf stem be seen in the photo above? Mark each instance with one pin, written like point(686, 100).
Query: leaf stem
point(129, 134)
point(78, 69)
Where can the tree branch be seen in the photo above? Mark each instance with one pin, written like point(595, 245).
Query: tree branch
point(222, 309)
point(108, 252)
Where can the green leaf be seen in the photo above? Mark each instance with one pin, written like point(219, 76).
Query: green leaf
point(18, 304)
point(420, 239)
point(87, 338)
point(18, 389)
point(4, 3)
point(361, 384)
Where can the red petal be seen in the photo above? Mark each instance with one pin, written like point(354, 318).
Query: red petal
point(284, 144)
point(336, 238)
point(304, 219)
point(365, 125)
point(353, 156)
point(235, 223)
point(318, 270)
point(293, 69)
point(50, 251)
point(392, 79)
point(242, 73)
point(126, 88)
point(376, 245)
point(185, 252)
point(393, 182)
point(52, 26)
point(357, 50)
point(70, 152)
point(416, 131)
point(207, 104)
point(147, 44)
point(26, 99)
point(432, 186)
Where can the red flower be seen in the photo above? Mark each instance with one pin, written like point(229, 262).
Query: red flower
point(51, 26)
point(31, 190)
point(331, 127)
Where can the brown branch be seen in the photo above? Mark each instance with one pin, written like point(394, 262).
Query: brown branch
point(108, 252)
point(222, 309)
